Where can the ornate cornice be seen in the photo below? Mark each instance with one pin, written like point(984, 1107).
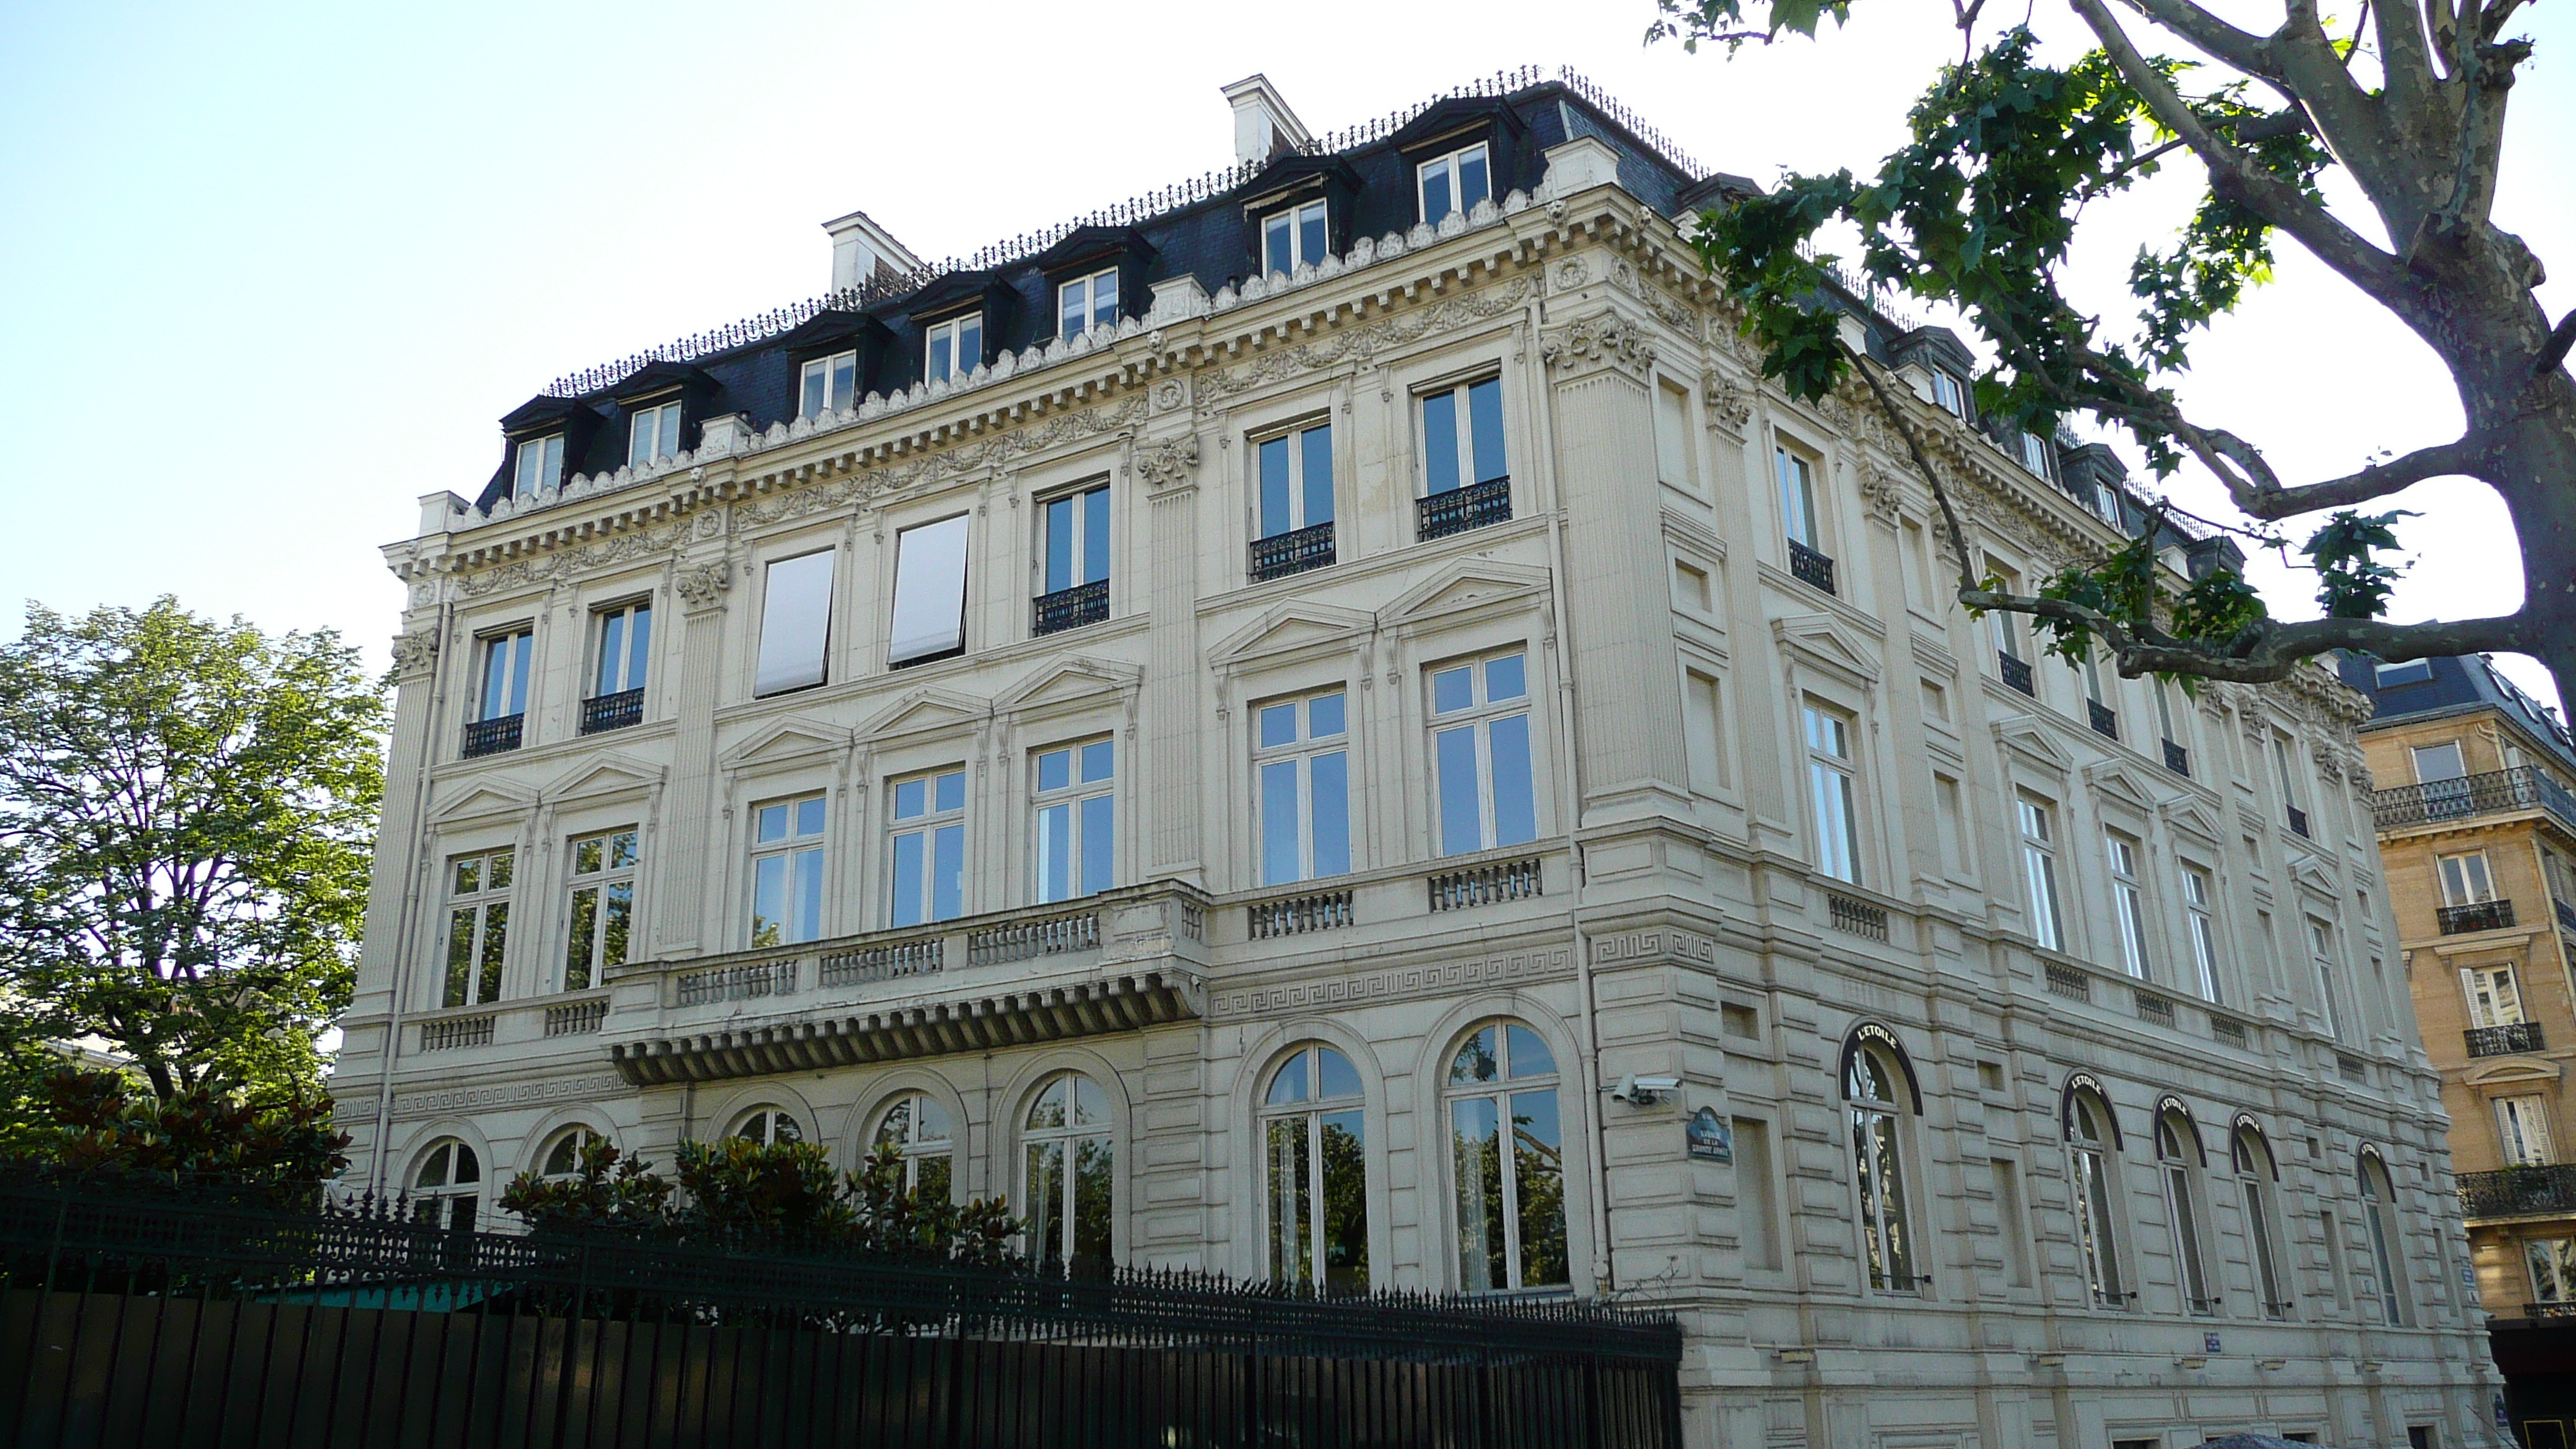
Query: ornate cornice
point(1596, 343)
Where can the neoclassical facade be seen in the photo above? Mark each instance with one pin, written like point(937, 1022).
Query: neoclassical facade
point(1327, 725)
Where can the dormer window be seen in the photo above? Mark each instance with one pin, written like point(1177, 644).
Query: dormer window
point(540, 465)
point(1455, 182)
point(1948, 395)
point(2034, 453)
point(1293, 238)
point(653, 432)
point(956, 347)
point(827, 384)
point(1087, 302)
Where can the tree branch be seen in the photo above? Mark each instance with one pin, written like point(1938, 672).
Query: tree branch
point(2554, 351)
point(2272, 502)
point(2216, 38)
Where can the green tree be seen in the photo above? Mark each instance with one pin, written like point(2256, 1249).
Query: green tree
point(1981, 209)
point(187, 810)
point(275, 1148)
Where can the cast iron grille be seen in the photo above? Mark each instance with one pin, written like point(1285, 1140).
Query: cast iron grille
point(2017, 674)
point(1293, 552)
point(612, 711)
point(1810, 567)
point(1069, 608)
point(492, 736)
point(2519, 1191)
point(2475, 916)
point(2103, 719)
point(1858, 917)
point(2522, 788)
point(2497, 1041)
point(1460, 509)
point(2298, 820)
point(2177, 759)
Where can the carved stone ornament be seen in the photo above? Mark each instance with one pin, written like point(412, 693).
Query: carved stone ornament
point(1879, 487)
point(1730, 406)
point(1169, 395)
point(702, 586)
point(1598, 341)
point(415, 652)
point(1165, 463)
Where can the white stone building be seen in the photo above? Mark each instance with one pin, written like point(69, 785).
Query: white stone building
point(1190, 721)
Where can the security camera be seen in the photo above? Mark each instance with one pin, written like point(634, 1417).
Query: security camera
point(1639, 1091)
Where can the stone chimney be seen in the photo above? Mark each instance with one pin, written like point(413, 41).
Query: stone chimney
point(1263, 124)
point(861, 249)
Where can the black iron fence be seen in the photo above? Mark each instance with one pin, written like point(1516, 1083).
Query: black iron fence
point(1457, 510)
point(622, 710)
point(1282, 554)
point(2497, 1041)
point(2521, 788)
point(492, 736)
point(2519, 1191)
point(139, 1321)
point(1810, 567)
point(2475, 916)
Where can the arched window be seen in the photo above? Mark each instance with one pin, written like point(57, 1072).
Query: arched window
point(1066, 1187)
point(447, 1186)
point(917, 1126)
point(2254, 1177)
point(2089, 1143)
point(1315, 1178)
point(1511, 1202)
point(768, 1126)
point(2177, 1154)
point(1874, 1091)
point(563, 1156)
point(2379, 1205)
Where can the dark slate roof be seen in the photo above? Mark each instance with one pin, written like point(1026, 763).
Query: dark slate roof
point(2459, 684)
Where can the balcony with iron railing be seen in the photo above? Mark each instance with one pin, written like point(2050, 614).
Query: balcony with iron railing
point(1069, 608)
point(1294, 552)
point(1811, 568)
point(2299, 822)
point(2177, 759)
point(616, 711)
point(1457, 510)
point(2505, 1040)
point(2016, 674)
point(493, 736)
point(2527, 1191)
point(2475, 916)
point(2103, 718)
point(2496, 792)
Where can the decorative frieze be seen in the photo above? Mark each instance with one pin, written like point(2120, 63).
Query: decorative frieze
point(1399, 984)
point(1604, 341)
point(508, 1094)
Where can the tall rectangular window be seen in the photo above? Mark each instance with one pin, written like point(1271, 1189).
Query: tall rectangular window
point(1293, 238)
point(1077, 539)
point(1296, 483)
point(2321, 948)
point(955, 348)
point(1797, 477)
point(827, 384)
point(1455, 182)
point(2129, 903)
point(2465, 879)
point(1087, 302)
point(505, 673)
point(478, 926)
point(1480, 749)
point(1830, 792)
point(787, 871)
point(2007, 633)
point(929, 591)
point(1077, 820)
point(1673, 436)
point(652, 433)
point(795, 623)
point(2039, 872)
point(1462, 436)
point(1302, 758)
point(928, 840)
point(625, 636)
point(2288, 780)
point(2202, 920)
point(540, 465)
point(2034, 453)
point(2522, 1127)
point(603, 906)
point(2495, 998)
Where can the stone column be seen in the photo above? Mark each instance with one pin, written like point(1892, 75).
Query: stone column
point(684, 909)
point(1166, 770)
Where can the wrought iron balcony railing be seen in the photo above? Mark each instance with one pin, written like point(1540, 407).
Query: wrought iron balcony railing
point(1069, 608)
point(1460, 509)
point(1810, 567)
point(2102, 717)
point(612, 711)
point(2017, 673)
point(2498, 1041)
point(2299, 820)
point(2497, 791)
point(2177, 759)
point(1294, 552)
point(2475, 916)
point(2530, 1190)
point(2566, 913)
point(2562, 1309)
point(493, 736)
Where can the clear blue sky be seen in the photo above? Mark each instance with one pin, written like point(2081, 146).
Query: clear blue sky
point(273, 271)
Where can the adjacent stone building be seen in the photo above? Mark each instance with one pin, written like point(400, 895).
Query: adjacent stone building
point(2477, 836)
point(1326, 724)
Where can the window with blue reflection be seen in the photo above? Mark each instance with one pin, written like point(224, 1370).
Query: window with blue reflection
point(1301, 757)
point(1296, 479)
point(929, 848)
point(1480, 751)
point(1077, 538)
point(1462, 436)
point(505, 674)
point(1077, 811)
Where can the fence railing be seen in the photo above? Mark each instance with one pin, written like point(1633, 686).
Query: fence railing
point(2067, 981)
point(2177, 759)
point(919, 956)
point(2521, 788)
point(1460, 509)
point(2016, 673)
point(2104, 719)
point(618, 711)
point(2519, 1191)
point(492, 736)
point(1810, 567)
point(2497, 1041)
point(449, 1033)
point(1024, 940)
point(1856, 916)
point(1282, 554)
point(575, 1019)
point(1069, 608)
point(2475, 916)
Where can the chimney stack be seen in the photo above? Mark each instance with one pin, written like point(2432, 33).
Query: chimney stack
point(1263, 124)
point(861, 249)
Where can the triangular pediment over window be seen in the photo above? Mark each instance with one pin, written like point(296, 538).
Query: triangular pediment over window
point(788, 739)
point(483, 800)
point(2117, 782)
point(1463, 586)
point(2190, 819)
point(926, 712)
point(1821, 640)
point(1287, 630)
point(1079, 680)
point(2025, 737)
point(603, 775)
